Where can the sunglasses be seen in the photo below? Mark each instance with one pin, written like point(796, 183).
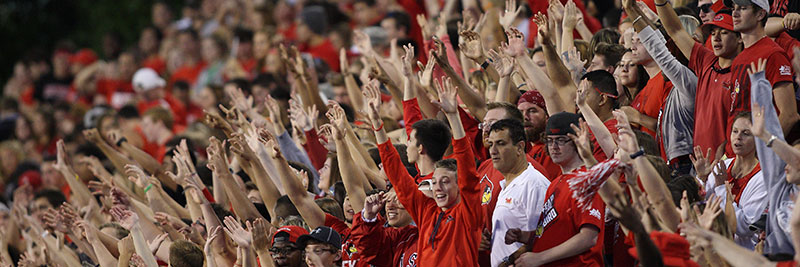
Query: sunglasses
point(705, 8)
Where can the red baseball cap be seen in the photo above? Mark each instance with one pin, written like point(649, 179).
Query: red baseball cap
point(289, 233)
point(674, 249)
point(722, 20)
point(31, 177)
point(85, 57)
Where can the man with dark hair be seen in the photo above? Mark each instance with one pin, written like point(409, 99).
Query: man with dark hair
point(397, 25)
point(749, 18)
point(450, 223)
point(184, 253)
point(523, 188)
point(321, 247)
point(285, 250)
point(606, 56)
point(566, 234)
point(44, 200)
point(284, 208)
point(190, 53)
point(599, 91)
point(426, 144)
point(311, 36)
point(532, 106)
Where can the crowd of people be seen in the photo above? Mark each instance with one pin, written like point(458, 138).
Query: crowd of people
point(412, 132)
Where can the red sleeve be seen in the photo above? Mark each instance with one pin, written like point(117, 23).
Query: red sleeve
point(779, 69)
point(451, 55)
point(411, 114)
point(315, 150)
point(594, 216)
point(337, 225)
point(405, 187)
point(208, 195)
point(468, 181)
point(700, 57)
point(471, 128)
point(371, 240)
point(414, 8)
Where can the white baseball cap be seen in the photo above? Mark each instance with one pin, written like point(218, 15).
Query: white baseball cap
point(763, 4)
point(146, 79)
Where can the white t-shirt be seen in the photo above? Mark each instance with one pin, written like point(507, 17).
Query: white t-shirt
point(519, 205)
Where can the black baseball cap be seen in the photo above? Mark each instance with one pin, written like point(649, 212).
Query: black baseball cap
point(322, 234)
point(559, 123)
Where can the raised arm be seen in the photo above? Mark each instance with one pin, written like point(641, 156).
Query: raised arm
point(559, 74)
point(516, 49)
point(311, 213)
point(673, 25)
point(734, 254)
point(350, 82)
point(475, 102)
point(599, 130)
point(352, 176)
point(241, 205)
point(449, 105)
point(249, 161)
point(657, 193)
point(504, 65)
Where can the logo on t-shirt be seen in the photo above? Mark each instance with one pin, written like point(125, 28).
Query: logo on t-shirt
point(595, 213)
point(412, 261)
point(785, 70)
point(549, 214)
point(487, 190)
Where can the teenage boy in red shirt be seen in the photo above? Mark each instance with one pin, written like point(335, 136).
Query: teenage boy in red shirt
point(749, 18)
point(567, 235)
point(450, 222)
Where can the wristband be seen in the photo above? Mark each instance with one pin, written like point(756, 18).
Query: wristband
point(637, 19)
point(771, 140)
point(521, 85)
point(485, 65)
point(122, 140)
point(664, 4)
point(147, 188)
point(379, 128)
point(637, 154)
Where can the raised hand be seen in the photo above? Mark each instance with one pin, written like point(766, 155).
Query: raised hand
point(156, 242)
point(627, 141)
point(625, 213)
point(556, 10)
point(93, 135)
point(97, 169)
point(583, 139)
point(544, 28)
point(363, 42)
point(261, 234)
point(622, 119)
point(216, 121)
point(239, 235)
point(238, 100)
point(373, 97)
point(425, 73)
point(570, 14)
point(408, 60)
point(703, 164)
point(338, 119)
point(124, 217)
point(720, 173)
point(758, 122)
point(516, 43)
point(372, 205)
point(427, 30)
point(471, 45)
point(507, 17)
point(448, 102)
point(299, 117)
point(440, 53)
point(710, 212)
point(62, 161)
point(213, 234)
point(136, 175)
point(502, 63)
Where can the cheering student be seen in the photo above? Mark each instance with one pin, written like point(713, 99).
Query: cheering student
point(520, 200)
point(566, 234)
point(321, 247)
point(395, 245)
point(451, 221)
point(285, 249)
point(749, 18)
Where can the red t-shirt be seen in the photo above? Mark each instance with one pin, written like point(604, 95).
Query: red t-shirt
point(651, 98)
point(741, 183)
point(117, 92)
point(324, 51)
point(778, 70)
point(712, 113)
point(384, 246)
point(788, 43)
point(611, 125)
point(561, 219)
point(539, 154)
point(168, 102)
point(459, 231)
point(187, 73)
point(156, 63)
point(350, 253)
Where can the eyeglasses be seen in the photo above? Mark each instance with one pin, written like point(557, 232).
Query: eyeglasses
point(485, 125)
point(705, 8)
point(283, 250)
point(556, 141)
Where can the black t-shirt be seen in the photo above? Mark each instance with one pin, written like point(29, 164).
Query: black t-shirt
point(779, 8)
point(51, 89)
